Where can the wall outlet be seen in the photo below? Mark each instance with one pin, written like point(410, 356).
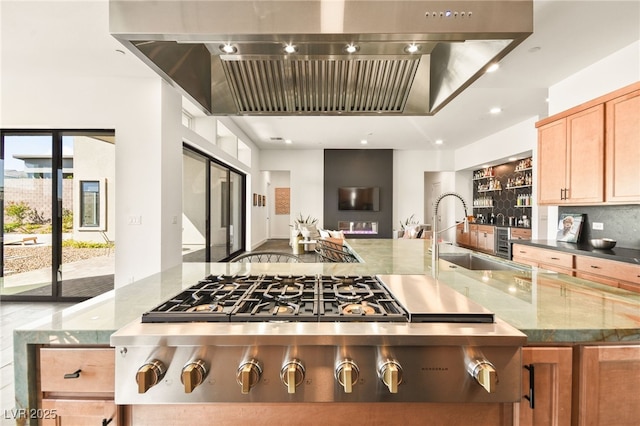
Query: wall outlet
point(135, 220)
point(598, 226)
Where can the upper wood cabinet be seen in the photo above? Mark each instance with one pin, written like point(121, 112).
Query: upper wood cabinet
point(623, 148)
point(573, 146)
point(571, 159)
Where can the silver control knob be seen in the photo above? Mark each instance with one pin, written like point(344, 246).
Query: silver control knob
point(347, 373)
point(193, 375)
point(292, 375)
point(248, 375)
point(390, 373)
point(150, 375)
point(484, 373)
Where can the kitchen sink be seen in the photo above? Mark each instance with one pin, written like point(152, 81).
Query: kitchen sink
point(475, 263)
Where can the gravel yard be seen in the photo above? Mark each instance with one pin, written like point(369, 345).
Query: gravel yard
point(20, 259)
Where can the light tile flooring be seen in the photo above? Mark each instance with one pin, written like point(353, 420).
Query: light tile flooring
point(14, 315)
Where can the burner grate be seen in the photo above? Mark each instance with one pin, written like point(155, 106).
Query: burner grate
point(281, 298)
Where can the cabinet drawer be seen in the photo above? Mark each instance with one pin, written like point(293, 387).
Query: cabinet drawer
point(544, 257)
point(96, 365)
point(608, 268)
point(520, 234)
point(488, 229)
point(62, 412)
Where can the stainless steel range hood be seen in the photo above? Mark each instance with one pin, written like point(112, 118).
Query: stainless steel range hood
point(455, 42)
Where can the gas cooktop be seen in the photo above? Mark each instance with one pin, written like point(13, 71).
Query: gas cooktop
point(302, 298)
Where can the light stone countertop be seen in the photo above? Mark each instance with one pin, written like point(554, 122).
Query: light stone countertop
point(546, 306)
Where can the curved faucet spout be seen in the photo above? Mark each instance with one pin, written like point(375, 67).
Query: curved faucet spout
point(435, 252)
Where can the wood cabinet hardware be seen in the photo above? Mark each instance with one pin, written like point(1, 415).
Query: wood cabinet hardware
point(73, 375)
point(531, 396)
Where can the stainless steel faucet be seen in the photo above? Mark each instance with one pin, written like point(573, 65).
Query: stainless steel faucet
point(435, 251)
point(498, 215)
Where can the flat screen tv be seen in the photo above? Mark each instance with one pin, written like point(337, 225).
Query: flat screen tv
point(359, 198)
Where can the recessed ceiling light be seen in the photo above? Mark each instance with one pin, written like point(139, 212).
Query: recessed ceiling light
point(412, 48)
point(439, 142)
point(513, 158)
point(364, 142)
point(351, 48)
point(288, 141)
point(227, 48)
point(534, 49)
point(493, 67)
point(495, 110)
point(290, 48)
point(120, 51)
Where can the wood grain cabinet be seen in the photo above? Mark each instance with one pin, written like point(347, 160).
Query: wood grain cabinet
point(462, 238)
point(77, 386)
point(603, 271)
point(486, 239)
point(606, 383)
point(590, 154)
point(552, 260)
point(571, 158)
point(623, 149)
point(520, 234)
point(546, 382)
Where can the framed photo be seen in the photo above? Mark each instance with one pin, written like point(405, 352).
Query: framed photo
point(255, 199)
point(569, 227)
point(264, 201)
point(259, 200)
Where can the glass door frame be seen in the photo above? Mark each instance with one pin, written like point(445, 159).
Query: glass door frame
point(56, 208)
point(243, 214)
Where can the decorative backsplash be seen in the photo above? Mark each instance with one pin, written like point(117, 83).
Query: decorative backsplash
point(504, 189)
point(622, 223)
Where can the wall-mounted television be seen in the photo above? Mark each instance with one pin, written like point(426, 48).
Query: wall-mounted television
point(359, 198)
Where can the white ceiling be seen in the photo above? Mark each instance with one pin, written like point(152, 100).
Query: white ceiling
point(73, 36)
point(568, 36)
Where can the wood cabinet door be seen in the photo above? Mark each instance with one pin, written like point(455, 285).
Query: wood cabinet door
point(552, 162)
point(623, 149)
point(608, 382)
point(552, 372)
point(462, 238)
point(585, 156)
point(473, 236)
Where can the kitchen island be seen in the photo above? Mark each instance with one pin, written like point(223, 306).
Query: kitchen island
point(550, 308)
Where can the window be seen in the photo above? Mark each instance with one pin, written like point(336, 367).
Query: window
point(90, 203)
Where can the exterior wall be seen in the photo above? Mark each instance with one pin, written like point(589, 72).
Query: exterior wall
point(36, 193)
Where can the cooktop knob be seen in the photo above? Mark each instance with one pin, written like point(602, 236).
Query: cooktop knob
point(484, 373)
point(193, 375)
point(150, 375)
point(248, 375)
point(347, 373)
point(292, 375)
point(390, 373)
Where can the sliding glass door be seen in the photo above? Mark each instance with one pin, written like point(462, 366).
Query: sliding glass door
point(27, 215)
point(213, 209)
point(56, 241)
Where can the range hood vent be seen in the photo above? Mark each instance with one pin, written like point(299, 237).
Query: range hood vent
point(182, 41)
point(319, 85)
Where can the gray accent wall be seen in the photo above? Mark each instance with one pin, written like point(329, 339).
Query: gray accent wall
point(622, 223)
point(359, 167)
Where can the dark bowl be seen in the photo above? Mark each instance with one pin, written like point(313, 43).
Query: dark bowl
point(603, 243)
